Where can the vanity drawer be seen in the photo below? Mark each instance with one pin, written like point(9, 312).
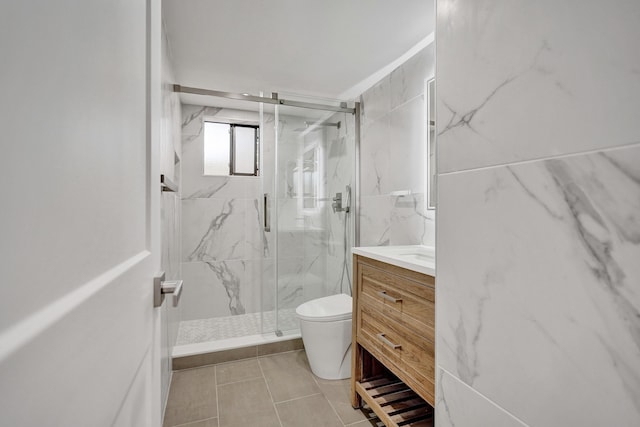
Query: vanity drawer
point(407, 354)
point(403, 299)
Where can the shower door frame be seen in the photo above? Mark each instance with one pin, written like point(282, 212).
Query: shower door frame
point(277, 101)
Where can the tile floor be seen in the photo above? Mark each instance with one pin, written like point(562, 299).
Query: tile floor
point(269, 391)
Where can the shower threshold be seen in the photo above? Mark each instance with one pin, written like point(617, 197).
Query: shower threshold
point(232, 332)
point(233, 343)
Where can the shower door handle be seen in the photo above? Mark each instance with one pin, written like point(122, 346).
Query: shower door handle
point(265, 208)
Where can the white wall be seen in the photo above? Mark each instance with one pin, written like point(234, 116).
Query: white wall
point(392, 157)
point(538, 309)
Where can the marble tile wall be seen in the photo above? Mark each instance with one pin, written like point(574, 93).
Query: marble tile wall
point(392, 157)
point(311, 243)
point(339, 226)
point(538, 302)
point(295, 258)
point(228, 260)
point(223, 243)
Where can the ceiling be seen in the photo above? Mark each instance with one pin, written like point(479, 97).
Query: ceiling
point(322, 48)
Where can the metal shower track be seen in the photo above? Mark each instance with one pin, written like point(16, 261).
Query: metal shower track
point(273, 100)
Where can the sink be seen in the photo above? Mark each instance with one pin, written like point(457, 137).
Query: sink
point(412, 257)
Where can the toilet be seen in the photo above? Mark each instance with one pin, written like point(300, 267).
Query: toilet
point(325, 324)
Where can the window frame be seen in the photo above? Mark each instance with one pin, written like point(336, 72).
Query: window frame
point(232, 147)
point(256, 141)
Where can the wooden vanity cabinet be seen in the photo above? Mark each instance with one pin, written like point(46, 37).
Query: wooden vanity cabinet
point(393, 341)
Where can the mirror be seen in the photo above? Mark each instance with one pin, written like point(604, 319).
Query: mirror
point(430, 143)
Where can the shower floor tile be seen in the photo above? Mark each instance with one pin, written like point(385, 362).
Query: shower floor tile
point(220, 328)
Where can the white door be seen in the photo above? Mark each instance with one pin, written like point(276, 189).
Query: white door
point(79, 215)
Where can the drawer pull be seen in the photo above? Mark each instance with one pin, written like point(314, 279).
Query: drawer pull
point(382, 338)
point(384, 295)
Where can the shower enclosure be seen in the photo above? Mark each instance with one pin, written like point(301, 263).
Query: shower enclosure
point(256, 247)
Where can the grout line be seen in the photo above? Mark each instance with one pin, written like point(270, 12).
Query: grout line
point(270, 394)
point(298, 398)
point(240, 381)
point(543, 159)
point(215, 374)
point(413, 98)
point(333, 407)
point(482, 396)
point(335, 410)
point(327, 399)
point(198, 421)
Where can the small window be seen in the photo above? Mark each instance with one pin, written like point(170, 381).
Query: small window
point(230, 149)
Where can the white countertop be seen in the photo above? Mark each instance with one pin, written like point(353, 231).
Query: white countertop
point(412, 257)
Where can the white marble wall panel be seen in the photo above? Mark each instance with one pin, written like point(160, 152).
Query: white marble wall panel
point(263, 274)
point(376, 101)
point(375, 151)
point(291, 273)
point(567, 70)
point(256, 239)
point(223, 239)
point(538, 298)
point(458, 405)
point(201, 298)
point(339, 226)
point(407, 81)
point(217, 289)
point(410, 223)
point(195, 183)
point(291, 243)
point(206, 187)
point(539, 200)
point(213, 229)
point(375, 220)
point(392, 157)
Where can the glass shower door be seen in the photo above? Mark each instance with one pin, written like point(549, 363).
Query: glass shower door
point(314, 160)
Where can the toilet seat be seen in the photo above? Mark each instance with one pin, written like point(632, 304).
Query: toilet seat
point(327, 309)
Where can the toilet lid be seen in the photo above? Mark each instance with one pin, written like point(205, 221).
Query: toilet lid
point(327, 309)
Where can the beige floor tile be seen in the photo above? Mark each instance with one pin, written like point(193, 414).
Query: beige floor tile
point(311, 411)
point(338, 394)
point(246, 403)
point(288, 375)
point(237, 371)
point(211, 422)
point(192, 396)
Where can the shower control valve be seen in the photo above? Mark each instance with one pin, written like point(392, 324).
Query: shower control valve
point(337, 204)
